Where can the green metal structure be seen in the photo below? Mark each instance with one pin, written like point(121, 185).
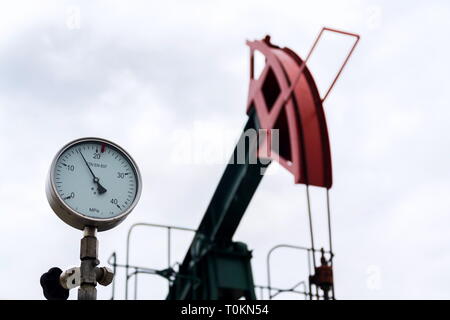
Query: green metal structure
point(215, 267)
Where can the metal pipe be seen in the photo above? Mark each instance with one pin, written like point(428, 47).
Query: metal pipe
point(311, 231)
point(114, 257)
point(89, 262)
point(330, 239)
point(279, 291)
point(168, 249)
point(135, 285)
point(293, 289)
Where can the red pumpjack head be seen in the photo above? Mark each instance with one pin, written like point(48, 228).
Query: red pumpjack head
point(285, 97)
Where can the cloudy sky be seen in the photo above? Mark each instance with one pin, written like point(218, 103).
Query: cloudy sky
point(149, 74)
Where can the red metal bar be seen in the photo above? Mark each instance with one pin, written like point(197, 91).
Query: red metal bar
point(294, 84)
point(346, 59)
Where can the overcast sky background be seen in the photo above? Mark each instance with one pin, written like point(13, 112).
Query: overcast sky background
point(149, 74)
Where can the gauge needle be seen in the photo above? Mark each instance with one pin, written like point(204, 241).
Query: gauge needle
point(100, 188)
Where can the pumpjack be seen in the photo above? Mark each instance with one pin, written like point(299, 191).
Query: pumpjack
point(283, 99)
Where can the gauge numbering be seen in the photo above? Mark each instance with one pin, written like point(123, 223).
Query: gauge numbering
point(93, 182)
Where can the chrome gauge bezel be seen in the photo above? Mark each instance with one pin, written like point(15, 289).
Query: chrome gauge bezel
point(77, 219)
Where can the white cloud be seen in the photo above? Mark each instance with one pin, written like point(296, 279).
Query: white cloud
point(135, 73)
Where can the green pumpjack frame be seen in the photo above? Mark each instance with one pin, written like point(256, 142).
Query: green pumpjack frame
point(215, 267)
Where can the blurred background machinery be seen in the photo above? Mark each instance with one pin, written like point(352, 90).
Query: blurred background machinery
point(286, 123)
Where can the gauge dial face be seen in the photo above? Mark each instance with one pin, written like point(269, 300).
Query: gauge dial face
point(96, 179)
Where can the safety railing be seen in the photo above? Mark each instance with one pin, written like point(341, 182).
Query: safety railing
point(268, 291)
point(168, 273)
point(310, 254)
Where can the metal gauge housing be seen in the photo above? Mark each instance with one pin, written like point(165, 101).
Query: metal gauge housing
point(93, 182)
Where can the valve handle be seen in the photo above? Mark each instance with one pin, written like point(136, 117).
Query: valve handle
point(51, 285)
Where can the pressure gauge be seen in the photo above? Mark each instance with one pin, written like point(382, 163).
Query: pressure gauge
point(93, 182)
